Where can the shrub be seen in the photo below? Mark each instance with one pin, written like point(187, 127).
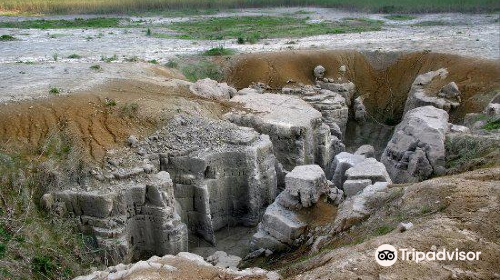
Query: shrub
point(7, 38)
point(74, 56)
point(54, 91)
point(218, 51)
point(42, 265)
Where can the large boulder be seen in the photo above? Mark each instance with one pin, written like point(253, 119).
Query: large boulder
point(357, 208)
point(282, 227)
point(416, 150)
point(296, 129)
point(422, 92)
point(306, 183)
point(209, 88)
point(341, 163)
point(369, 169)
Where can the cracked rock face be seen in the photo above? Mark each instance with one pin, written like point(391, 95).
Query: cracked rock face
point(224, 175)
point(421, 93)
point(298, 134)
point(332, 105)
point(416, 150)
point(282, 227)
point(129, 222)
point(357, 208)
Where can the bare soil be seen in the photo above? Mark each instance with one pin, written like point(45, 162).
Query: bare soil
point(386, 78)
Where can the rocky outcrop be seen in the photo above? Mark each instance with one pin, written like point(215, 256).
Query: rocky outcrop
point(357, 208)
point(296, 129)
point(341, 163)
point(416, 150)
point(346, 89)
point(224, 175)
point(282, 227)
point(332, 105)
point(422, 93)
point(209, 88)
point(131, 221)
point(181, 266)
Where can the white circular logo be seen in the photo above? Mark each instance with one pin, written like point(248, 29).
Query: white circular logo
point(386, 255)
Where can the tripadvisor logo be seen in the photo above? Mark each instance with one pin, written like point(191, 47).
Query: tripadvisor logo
point(387, 255)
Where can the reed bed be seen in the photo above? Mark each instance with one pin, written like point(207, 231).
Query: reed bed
point(132, 6)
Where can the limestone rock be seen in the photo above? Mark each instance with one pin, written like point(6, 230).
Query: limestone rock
point(295, 128)
point(319, 72)
point(356, 208)
point(341, 163)
point(416, 150)
point(366, 150)
point(360, 113)
point(306, 183)
point(458, 128)
point(421, 94)
point(132, 220)
point(493, 108)
point(369, 169)
point(222, 259)
point(347, 89)
point(209, 88)
point(352, 187)
point(281, 226)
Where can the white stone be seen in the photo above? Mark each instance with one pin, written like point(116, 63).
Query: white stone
point(370, 169)
point(341, 163)
point(416, 150)
point(352, 187)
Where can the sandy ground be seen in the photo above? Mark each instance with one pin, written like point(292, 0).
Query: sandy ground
point(469, 35)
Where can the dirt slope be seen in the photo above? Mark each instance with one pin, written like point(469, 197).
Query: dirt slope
point(451, 212)
point(385, 77)
point(99, 119)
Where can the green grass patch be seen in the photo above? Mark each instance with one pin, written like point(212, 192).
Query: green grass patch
point(54, 91)
point(96, 67)
point(7, 38)
point(492, 125)
point(202, 69)
point(383, 230)
point(400, 17)
point(74, 56)
point(218, 51)
point(109, 59)
point(195, 7)
point(59, 24)
point(252, 28)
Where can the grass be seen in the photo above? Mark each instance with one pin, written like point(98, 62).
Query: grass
point(190, 6)
point(54, 91)
point(468, 149)
point(400, 17)
point(74, 56)
point(492, 125)
point(96, 67)
point(218, 51)
point(202, 69)
point(34, 245)
point(109, 59)
point(60, 24)
point(253, 28)
point(129, 110)
point(7, 38)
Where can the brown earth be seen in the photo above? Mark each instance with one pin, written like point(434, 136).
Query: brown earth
point(459, 211)
point(387, 78)
point(100, 119)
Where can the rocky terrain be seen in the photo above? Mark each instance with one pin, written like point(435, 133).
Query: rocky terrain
point(294, 165)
